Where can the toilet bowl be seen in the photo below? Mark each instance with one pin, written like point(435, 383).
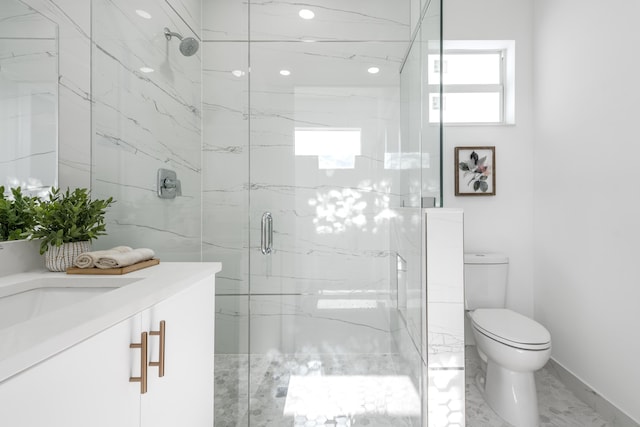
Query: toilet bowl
point(513, 347)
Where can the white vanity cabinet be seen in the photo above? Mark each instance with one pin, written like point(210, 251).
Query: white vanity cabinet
point(86, 385)
point(184, 395)
point(89, 383)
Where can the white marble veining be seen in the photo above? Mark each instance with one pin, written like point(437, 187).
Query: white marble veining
point(330, 224)
point(225, 158)
point(144, 121)
point(190, 11)
point(315, 390)
point(334, 20)
point(444, 274)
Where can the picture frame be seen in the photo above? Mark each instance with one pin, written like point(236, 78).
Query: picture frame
point(475, 171)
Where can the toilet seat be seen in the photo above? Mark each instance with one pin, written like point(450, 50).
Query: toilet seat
point(511, 328)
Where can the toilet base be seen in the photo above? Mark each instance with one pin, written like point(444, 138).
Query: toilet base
point(512, 395)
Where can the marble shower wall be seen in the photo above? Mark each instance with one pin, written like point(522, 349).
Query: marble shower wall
point(330, 267)
point(144, 121)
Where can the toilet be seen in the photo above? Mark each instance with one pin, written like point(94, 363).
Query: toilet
point(513, 346)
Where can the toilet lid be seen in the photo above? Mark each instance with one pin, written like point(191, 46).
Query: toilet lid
point(511, 328)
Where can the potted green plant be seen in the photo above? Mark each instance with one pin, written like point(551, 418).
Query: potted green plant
point(16, 214)
point(67, 223)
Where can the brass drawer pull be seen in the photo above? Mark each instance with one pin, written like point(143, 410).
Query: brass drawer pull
point(160, 362)
point(142, 379)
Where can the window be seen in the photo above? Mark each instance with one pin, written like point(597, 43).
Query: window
point(475, 88)
point(336, 148)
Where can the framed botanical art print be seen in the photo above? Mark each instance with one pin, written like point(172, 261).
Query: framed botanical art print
point(475, 171)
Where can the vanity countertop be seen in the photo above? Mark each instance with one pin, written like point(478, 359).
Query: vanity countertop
point(32, 341)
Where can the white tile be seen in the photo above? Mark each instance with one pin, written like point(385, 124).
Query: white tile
point(319, 324)
point(143, 122)
point(334, 20)
point(225, 20)
point(191, 12)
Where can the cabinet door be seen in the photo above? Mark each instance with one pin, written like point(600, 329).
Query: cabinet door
point(86, 385)
point(184, 395)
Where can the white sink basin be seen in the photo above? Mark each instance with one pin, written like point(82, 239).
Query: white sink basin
point(26, 300)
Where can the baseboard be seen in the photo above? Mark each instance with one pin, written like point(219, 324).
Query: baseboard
point(602, 406)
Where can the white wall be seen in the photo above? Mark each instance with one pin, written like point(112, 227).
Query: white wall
point(501, 223)
point(586, 196)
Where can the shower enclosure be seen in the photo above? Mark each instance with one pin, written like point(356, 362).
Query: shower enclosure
point(300, 138)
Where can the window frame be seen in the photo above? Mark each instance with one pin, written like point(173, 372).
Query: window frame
point(500, 88)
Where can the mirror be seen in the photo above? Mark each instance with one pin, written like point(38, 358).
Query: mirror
point(28, 99)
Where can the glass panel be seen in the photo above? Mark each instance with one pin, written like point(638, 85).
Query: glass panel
point(321, 345)
point(225, 228)
point(431, 143)
point(475, 107)
point(28, 99)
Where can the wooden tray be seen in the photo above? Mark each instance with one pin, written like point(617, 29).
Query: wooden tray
point(114, 271)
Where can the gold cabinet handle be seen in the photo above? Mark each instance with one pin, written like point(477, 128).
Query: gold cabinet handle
point(142, 379)
point(160, 362)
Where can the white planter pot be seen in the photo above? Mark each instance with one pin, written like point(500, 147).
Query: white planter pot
point(59, 258)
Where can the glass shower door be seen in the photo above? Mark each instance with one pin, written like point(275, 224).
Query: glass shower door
point(323, 130)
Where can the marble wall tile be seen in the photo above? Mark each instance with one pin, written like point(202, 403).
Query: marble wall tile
point(415, 14)
point(334, 20)
point(232, 323)
point(331, 324)
point(406, 244)
point(130, 141)
point(330, 221)
point(191, 12)
point(225, 20)
point(225, 177)
point(445, 288)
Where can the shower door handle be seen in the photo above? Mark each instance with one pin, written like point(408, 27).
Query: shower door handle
point(266, 233)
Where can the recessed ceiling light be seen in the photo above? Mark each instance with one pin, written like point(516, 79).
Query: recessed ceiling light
point(147, 69)
point(143, 14)
point(373, 70)
point(306, 14)
point(238, 73)
point(285, 72)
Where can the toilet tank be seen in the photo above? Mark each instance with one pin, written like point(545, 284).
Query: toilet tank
point(485, 280)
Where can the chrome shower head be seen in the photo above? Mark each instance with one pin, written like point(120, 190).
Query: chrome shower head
point(188, 45)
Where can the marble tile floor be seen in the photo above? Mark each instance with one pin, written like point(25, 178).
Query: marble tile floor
point(314, 390)
point(558, 406)
point(276, 376)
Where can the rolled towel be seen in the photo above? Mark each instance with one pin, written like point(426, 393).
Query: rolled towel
point(125, 259)
point(89, 259)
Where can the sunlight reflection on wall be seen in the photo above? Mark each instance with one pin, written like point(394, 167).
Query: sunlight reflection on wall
point(339, 210)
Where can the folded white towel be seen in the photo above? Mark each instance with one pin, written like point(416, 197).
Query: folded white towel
point(89, 259)
point(124, 259)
